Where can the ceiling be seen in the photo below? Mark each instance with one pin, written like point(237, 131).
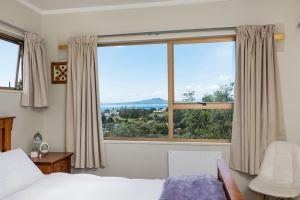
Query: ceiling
point(69, 6)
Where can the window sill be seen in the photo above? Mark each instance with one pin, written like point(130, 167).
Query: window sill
point(11, 91)
point(167, 142)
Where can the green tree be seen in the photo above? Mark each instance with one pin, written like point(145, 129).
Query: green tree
point(187, 123)
point(223, 94)
point(206, 123)
point(103, 118)
point(208, 98)
point(189, 96)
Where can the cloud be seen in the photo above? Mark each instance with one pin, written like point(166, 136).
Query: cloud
point(223, 78)
point(200, 90)
point(207, 89)
point(188, 87)
point(204, 88)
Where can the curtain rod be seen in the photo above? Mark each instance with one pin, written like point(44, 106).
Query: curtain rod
point(277, 36)
point(65, 46)
point(168, 32)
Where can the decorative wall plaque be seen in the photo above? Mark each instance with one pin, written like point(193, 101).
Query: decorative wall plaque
point(59, 72)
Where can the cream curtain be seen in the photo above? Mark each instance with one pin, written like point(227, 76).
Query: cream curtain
point(84, 134)
point(35, 83)
point(258, 117)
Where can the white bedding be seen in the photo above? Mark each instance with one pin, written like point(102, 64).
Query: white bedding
point(61, 186)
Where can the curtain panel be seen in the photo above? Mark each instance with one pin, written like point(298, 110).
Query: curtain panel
point(35, 83)
point(258, 116)
point(84, 134)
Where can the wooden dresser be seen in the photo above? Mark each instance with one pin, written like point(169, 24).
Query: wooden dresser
point(54, 162)
point(6, 123)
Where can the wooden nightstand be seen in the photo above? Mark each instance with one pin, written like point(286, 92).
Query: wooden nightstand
point(54, 162)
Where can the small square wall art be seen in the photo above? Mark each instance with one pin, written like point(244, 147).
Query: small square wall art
point(59, 72)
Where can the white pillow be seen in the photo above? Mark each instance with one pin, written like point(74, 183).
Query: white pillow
point(17, 171)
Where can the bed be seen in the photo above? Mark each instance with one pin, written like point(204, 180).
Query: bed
point(20, 179)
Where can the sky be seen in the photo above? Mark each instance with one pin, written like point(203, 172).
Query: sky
point(8, 63)
point(137, 72)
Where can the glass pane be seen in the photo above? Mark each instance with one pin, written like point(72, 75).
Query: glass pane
point(8, 63)
point(133, 90)
point(203, 124)
point(204, 72)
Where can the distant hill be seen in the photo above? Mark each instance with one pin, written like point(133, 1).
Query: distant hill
point(145, 101)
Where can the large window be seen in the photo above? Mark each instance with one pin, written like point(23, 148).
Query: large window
point(167, 90)
point(134, 90)
point(10, 63)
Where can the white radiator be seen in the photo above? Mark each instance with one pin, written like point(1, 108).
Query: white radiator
point(193, 162)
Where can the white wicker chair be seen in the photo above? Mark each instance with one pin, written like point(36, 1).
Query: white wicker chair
point(279, 174)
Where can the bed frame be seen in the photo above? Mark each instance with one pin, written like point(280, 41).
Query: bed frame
point(224, 175)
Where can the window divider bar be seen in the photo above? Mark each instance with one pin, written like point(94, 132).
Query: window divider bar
point(170, 89)
point(18, 66)
point(187, 106)
point(208, 39)
point(182, 40)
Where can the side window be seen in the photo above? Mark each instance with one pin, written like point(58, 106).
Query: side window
point(11, 51)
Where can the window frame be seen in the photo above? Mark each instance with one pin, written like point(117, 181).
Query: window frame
point(172, 105)
point(19, 63)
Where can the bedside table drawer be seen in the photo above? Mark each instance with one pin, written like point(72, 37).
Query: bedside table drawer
point(1, 123)
point(54, 162)
point(62, 166)
point(46, 169)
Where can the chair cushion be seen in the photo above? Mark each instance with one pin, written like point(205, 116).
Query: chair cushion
point(267, 187)
point(279, 174)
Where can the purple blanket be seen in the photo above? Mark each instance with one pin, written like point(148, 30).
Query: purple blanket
point(193, 188)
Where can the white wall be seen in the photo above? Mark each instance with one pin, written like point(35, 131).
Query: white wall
point(20, 16)
point(27, 121)
point(149, 160)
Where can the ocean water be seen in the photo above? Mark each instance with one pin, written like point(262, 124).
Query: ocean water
point(104, 107)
